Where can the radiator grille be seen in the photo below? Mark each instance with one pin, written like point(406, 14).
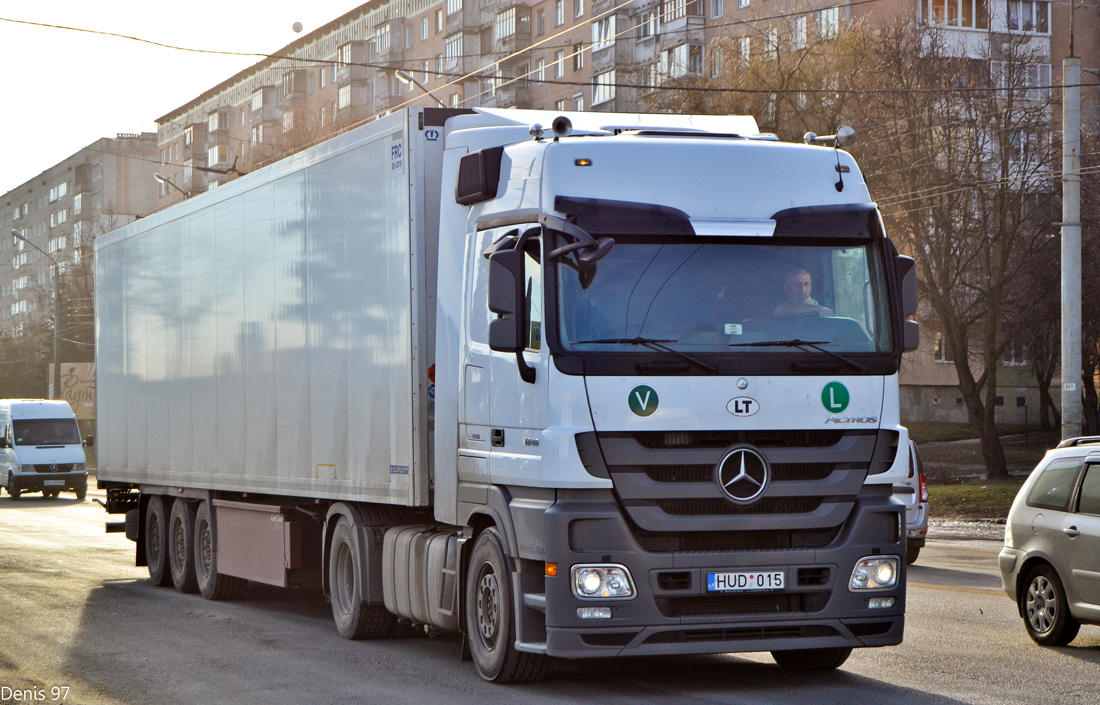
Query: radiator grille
point(781, 472)
point(722, 439)
point(744, 604)
point(741, 634)
point(777, 505)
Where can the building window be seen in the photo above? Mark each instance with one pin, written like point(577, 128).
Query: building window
point(578, 8)
point(506, 23)
point(258, 134)
point(559, 105)
point(746, 50)
point(605, 88)
point(59, 191)
point(578, 102)
point(540, 23)
point(798, 34)
point(1032, 80)
point(438, 21)
point(648, 25)
point(559, 64)
point(452, 49)
point(423, 28)
point(603, 33)
point(59, 217)
point(681, 60)
point(454, 100)
point(381, 40)
point(189, 131)
point(559, 13)
point(55, 244)
point(408, 37)
point(940, 353)
point(439, 66)
point(454, 6)
point(1029, 16)
point(324, 116)
point(218, 154)
point(77, 202)
point(219, 120)
point(257, 104)
point(343, 98)
point(771, 44)
point(717, 8)
point(828, 22)
point(675, 9)
point(969, 14)
point(742, 4)
point(578, 57)
point(343, 53)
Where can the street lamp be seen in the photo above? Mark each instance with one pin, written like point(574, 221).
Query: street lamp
point(167, 181)
point(56, 315)
point(407, 78)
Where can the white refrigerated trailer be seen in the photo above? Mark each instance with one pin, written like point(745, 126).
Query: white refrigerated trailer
point(575, 385)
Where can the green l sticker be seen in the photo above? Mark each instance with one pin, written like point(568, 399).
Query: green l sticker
point(643, 400)
point(835, 397)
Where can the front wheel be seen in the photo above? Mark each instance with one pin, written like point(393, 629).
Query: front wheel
point(912, 552)
point(1046, 610)
point(812, 659)
point(14, 491)
point(490, 627)
point(82, 491)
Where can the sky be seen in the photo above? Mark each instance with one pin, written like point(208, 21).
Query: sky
point(63, 90)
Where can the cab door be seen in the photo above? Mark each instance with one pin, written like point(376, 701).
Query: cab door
point(1081, 539)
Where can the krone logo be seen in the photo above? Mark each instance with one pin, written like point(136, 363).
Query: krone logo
point(743, 406)
point(835, 397)
point(643, 400)
point(743, 475)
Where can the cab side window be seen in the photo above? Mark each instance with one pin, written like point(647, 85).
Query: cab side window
point(1089, 503)
point(532, 289)
point(1055, 485)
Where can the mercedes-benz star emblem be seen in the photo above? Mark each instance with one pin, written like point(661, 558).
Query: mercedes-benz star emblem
point(743, 475)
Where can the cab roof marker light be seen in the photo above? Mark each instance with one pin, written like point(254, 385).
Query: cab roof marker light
point(714, 227)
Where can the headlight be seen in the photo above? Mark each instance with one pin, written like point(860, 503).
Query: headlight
point(79, 467)
point(875, 573)
point(595, 582)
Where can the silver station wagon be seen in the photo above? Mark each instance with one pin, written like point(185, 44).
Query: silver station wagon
point(1050, 564)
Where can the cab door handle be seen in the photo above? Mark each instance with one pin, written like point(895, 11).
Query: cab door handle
point(1071, 531)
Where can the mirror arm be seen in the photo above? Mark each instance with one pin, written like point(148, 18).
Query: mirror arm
point(526, 372)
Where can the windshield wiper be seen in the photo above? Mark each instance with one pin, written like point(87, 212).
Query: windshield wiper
point(801, 344)
point(652, 343)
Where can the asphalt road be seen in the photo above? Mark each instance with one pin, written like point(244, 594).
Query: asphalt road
point(76, 614)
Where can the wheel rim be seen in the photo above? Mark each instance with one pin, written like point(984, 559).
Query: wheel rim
point(206, 550)
point(345, 578)
point(488, 606)
point(179, 544)
point(154, 540)
point(1042, 604)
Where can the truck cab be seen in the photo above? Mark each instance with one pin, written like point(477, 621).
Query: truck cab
point(41, 449)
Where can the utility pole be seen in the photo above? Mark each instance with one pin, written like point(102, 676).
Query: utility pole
point(1071, 245)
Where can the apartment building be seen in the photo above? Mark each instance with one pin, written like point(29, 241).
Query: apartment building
point(101, 187)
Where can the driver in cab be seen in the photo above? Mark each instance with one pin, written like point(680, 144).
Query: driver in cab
point(796, 297)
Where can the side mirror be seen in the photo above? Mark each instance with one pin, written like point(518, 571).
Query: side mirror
point(3, 442)
point(89, 441)
point(506, 269)
point(907, 275)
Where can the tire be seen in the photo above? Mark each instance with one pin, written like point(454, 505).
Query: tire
point(355, 619)
point(1045, 609)
point(812, 659)
point(156, 542)
point(490, 627)
point(82, 491)
point(912, 552)
point(181, 546)
point(212, 584)
point(14, 491)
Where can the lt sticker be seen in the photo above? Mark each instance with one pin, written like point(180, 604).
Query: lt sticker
point(643, 400)
point(835, 397)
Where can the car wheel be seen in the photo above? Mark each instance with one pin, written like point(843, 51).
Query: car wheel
point(82, 491)
point(1046, 610)
point(812, 659)
point(912, 552)
point(490, 617)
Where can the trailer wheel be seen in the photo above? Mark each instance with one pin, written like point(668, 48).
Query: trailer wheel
point(355, 619)
point(212, 584)
point(156, 542)
point(490, 621)
point(812, 659)
point(181, 546)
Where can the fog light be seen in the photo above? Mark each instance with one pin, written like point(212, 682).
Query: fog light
point(594, 612)
point(875, 573)
point(595, 582)
point(881, 603)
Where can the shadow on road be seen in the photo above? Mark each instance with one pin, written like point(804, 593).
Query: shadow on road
point(140, 643)
point(37, 501)
point(953, 577)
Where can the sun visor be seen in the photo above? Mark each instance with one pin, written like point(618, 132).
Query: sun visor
point(733, 228)
point(849, 220)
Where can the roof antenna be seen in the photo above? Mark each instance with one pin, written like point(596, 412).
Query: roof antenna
point(844, 137)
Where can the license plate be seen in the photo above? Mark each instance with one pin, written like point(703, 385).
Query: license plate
point(53, 483)
point(746, 581)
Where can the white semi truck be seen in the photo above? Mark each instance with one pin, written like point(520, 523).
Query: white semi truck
point(578, 385)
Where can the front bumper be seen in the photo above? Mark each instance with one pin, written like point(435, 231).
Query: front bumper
point(39, 481)
point(673, 613)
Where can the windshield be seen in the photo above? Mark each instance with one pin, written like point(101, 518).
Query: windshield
point(722, 296)
point(42, 432)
